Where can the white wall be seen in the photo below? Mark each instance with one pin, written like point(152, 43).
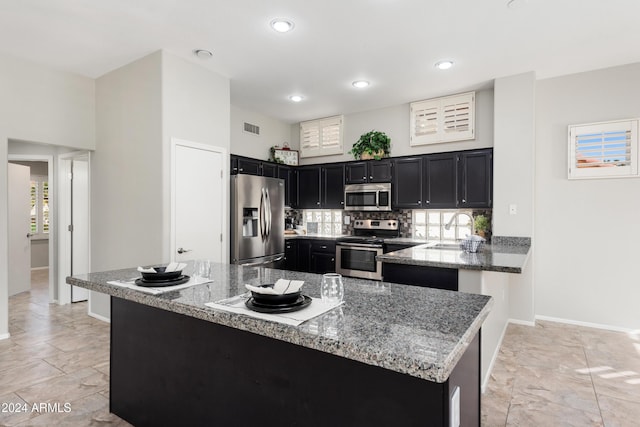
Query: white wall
point(394, 121)
point(195, 107)
point(272, 132)
point(513, 178)
point(586, 258)
point(45, 105)
point(126, 171)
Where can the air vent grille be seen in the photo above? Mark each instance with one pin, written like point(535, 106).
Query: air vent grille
point(254, 129)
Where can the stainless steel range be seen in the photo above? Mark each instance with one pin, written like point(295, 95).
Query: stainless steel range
point(356, 254)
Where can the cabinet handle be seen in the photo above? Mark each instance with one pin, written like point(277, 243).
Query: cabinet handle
point(333, 259)
point(318, 203)
point(323, 247)
point(419, 202)
point(428, 202)
point(364, 177)
point(241, 170)
point(371, 177)
point(464, 200)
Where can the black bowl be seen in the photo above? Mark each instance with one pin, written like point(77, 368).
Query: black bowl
point(275, 299)
point(160, 275)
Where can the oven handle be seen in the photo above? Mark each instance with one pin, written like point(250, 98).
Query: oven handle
point(359, 245)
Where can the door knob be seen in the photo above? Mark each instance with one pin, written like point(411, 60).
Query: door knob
point(183, 251)
point(29, 235)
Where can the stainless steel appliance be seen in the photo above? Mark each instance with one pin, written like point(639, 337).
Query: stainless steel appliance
point(257, 220)
point(356, 254)
point(367, 197)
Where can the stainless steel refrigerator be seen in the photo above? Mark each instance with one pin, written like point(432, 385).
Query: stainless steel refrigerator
point(257, 220)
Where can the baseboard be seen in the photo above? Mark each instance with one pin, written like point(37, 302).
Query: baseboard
point(46, 267)
point(588, 324)
point(521, 322)
point(483, 388)
point(5, 336)
point(99, 317)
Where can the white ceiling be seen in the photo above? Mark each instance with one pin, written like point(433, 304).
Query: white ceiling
point(394, 44)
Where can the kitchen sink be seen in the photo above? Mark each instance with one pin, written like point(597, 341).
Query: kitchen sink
point(439, 245)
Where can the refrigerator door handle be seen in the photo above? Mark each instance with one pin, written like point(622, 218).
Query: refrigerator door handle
point(268, 206)
point(262, 214)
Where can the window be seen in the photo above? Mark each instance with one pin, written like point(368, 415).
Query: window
point(430, 225)
point(603, 150)
point(39, 223)
point(323, 221)
point(444, 119)
point(321, 137)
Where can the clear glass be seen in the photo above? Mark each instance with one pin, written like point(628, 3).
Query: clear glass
point(434, 217)
point(317, 216)
point(202, 269)
point(308, 216)
point(327, 216)
point(420, 231)
point(449, 234)
point(434, 232)
point(326, 228)
point(332, 289)
point(420, 217)
point(337, 228)
point(337, 216)
point(446, 217)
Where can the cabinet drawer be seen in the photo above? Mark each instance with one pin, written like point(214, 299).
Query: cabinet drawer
point(324, 246)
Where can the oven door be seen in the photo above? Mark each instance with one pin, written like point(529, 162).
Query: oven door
point(358, 260)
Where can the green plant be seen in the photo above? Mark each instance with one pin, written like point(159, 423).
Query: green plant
point(481, 223)
point(372, 143)
point(272, 155)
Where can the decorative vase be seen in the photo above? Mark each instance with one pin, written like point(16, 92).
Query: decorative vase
point(367, 156)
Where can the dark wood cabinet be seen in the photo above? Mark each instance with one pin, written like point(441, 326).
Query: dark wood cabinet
point(291, 254)
point(406, 186)
point(323, 257)
point(290, 177)
point(249, 166)
point(475, 179)
point(303, 255)
point(417, 275)
point(269, 169)
point(332, 187)
point(440, 181)
point(233, 169)
point(309, 187)
point(368, 171)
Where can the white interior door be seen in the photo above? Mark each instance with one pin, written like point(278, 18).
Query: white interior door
point(199, 201)
point(74, 226)
point(80, 219)
point(19, 232)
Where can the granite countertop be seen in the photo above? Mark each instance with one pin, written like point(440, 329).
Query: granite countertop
point(315, 236)
point(492, 257)
point(418, 331)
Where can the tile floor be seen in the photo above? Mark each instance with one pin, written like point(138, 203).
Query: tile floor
point(550, 375)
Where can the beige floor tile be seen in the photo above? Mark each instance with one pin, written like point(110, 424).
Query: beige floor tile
point(541, 413)
point(14, 410)
point(618, 412)
point(31, 373)
point(66, 388)
point(79, 359)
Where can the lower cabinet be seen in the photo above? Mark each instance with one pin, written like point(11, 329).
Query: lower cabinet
point(417, 275)
point(310, 255)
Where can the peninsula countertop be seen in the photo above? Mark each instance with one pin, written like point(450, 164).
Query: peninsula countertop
point(418, 331)
point(491, 257)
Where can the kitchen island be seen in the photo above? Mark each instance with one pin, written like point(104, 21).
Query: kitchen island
point(390, 355)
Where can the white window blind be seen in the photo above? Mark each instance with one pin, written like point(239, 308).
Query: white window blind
point(603, 150)
point(444, 119)
point(321, 137)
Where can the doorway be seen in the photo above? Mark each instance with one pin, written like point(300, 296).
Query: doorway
point(32, 251)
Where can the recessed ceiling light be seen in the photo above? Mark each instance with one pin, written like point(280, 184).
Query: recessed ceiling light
point(444, 65)
point(296, 98)
point(282, 25)
point(202, 53)
point(360, 84)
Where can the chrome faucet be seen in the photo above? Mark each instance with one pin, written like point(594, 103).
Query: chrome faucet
point(457, 214)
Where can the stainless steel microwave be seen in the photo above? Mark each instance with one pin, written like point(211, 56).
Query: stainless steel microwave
point(367, 197)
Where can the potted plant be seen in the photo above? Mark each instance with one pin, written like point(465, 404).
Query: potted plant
point(481, 225)
point(371, 145)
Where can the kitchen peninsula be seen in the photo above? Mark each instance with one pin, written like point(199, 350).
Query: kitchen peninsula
point(390, 355)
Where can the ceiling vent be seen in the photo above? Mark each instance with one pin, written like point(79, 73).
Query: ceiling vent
point(249, 128)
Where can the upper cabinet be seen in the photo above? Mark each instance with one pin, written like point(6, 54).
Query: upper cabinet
point(368, 171)
point(440, 180)
point(290, 176)
point(446, 119)
point(406, 186)
point(475, 177)
point(332, 186)
point(309, 187)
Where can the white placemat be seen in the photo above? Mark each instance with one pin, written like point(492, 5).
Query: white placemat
point(236, 305)
point(131, 284)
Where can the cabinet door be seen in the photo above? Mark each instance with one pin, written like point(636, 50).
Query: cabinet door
point(323, 262)
point(356, 173)
point(233, 170)
point(475, 175)
point(290, 185)
point(440, 180)
point(309, 187)
point(304, 255)
point(333, 187)
point(249, 166)
point(291, 254)
point(269, 169)
point(406, 186)
point(379, 170)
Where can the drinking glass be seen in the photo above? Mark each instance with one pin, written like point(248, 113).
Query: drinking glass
point(202, 269)
point(332, 290)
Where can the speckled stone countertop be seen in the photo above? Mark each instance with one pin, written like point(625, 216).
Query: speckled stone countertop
point(418, 331)
point(501, 258)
